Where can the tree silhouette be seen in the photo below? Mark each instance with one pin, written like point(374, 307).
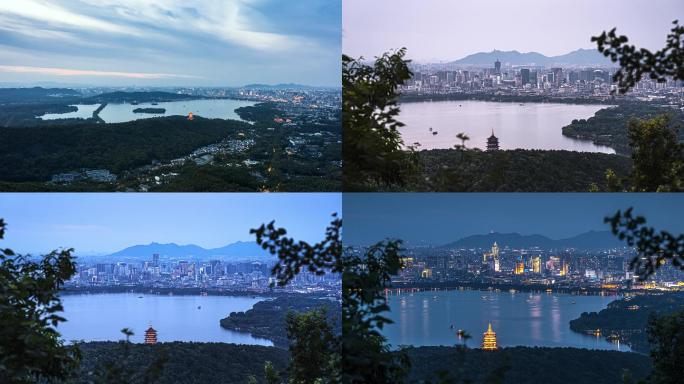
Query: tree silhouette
point(635, 63)
point(30, 348)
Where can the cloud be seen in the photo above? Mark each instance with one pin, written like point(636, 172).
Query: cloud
point(81, 72)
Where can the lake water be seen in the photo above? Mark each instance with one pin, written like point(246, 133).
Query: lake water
point(209, 108)
point(526, 126)
point(119, 113)
point(100, 317)
point(526, 319)
point(85, 111)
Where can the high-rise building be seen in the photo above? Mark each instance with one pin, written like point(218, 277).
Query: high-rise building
point(150, 336)
point(489, 339)
point(525, 76)
point(155, 260)
point(492, 142)
point(497, 66)
point(519, 268)
point(494, 256)
point(536, 264)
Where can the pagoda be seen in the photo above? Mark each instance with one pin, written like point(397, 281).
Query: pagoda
point(150, 336)
point(493, 142)
point(489, 339)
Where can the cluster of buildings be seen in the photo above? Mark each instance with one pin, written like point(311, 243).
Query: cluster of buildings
point(571, 82)
point(215, 275)
point(566, 268)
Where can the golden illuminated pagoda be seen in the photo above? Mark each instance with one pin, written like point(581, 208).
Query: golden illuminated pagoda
point(150, 336)
point(489, 339)
point(190, 116)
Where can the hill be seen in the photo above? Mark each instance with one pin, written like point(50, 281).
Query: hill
point(35, 94)
point(525, 365)
point(188, 363)
point(583, 57)
point(246, 251)
point(127, 97)
point(588, 240)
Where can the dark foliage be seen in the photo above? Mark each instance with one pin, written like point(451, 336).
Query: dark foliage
point(653, 248)
point(524, 365)
point(658, 156)
point(610, 126)
point(628, 319)
point(372, 145)
point(314, 348)
point(366, 357)
point(186, 363)
point(267, 319)
point(294, 256)
point(635, 63)
point(30, 347)
point(449, 170)
point(37, 153)
point(667, 334)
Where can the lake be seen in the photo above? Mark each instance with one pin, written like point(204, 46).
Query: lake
point(123, 112)
point(100, 317)
point(517, 125)
point(525, 319)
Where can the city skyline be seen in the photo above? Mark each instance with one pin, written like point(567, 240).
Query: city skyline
point(437, 219)
point(105, 223)
point(170, 42)
point(437, 31)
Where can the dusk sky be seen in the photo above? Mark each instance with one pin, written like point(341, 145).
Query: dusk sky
point(96, 223)
point(171, 42)
point(445, 30)
point(439, 218)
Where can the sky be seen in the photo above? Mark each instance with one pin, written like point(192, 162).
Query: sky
point(103, 223)
point(171, 42)
point(440, 218)
point(446, 30)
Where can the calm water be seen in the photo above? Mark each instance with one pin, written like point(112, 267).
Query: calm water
point(119, 113)
point(101, 317)
point(527, 319)
point(527, 126)
point(211, 108)
point(85, 111)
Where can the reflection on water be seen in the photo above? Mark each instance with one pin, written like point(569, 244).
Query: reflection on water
point(212, 109)
point(528, 319)
point(527, 126)
point(100, 317)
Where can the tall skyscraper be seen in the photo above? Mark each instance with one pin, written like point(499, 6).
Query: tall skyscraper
point(525, 76)
point(497, 66)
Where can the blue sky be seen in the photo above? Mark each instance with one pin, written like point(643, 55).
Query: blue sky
point(171, 42)
point(446, 30)
point(438, 218)
point(95, 223)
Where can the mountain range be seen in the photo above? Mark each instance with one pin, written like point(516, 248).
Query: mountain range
point(584, 57)
point(587, 241)
point(239, 251)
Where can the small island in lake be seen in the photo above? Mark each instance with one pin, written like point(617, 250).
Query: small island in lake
point(149, 110)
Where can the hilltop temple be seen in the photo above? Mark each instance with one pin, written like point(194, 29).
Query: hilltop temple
point(150, 336)
point(493, 142)
point(489, 339)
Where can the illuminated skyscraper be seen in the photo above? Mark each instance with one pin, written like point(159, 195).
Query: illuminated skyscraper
point(489, 339)
point(536, 264)
point(494, 256)
point(519, 268)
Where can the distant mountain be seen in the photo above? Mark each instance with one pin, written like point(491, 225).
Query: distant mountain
point(35, 94)
point(278, 86)
point(588, 240)
point(579, 57)
point(141, 97)
point(239, 251)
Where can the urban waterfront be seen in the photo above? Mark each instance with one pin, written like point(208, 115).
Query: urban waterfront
point(432, 318)
point(100, 317)
point(435, 124)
